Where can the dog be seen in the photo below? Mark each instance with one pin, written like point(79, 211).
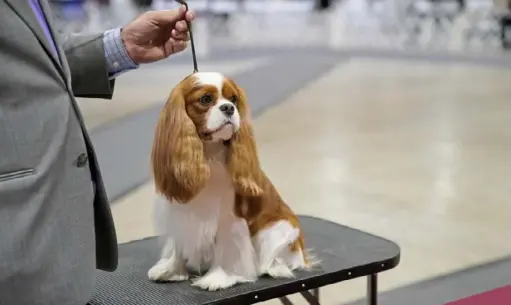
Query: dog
point(216, 212)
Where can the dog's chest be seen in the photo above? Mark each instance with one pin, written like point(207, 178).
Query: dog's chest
point(199, 219)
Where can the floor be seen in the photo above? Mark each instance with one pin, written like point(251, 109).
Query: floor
point(413, 148)
point(409, 150)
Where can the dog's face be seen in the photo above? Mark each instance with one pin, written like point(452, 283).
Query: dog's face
point(205, 106)
point(211, 102)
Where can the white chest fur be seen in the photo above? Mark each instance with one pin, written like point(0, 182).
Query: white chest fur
point(194, 226)
point(205, 235)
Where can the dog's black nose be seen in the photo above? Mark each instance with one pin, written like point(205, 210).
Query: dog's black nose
point(227, 109)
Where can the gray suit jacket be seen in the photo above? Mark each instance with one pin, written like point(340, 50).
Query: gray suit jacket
point(56, 227)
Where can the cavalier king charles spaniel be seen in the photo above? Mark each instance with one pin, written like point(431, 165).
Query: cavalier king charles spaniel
point(217, 212)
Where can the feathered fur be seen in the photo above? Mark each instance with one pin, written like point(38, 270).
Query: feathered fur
point(218, 212)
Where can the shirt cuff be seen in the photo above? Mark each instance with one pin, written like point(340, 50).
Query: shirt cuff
point(117, 59)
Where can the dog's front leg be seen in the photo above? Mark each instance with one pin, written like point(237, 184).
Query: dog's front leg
point(234, 257)
point(171, 267)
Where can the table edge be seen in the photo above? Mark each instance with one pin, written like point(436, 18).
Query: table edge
point(266, 294)
point(310, 283)
point(397, 248)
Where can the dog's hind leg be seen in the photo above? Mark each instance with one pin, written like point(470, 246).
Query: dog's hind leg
point(274, 245)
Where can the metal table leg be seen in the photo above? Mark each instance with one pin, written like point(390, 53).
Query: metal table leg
point(315, 293)
point(312, 297)
point(372, 289)
point(285, 301)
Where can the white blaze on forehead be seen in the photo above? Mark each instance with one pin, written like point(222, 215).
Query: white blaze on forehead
point(210, 78)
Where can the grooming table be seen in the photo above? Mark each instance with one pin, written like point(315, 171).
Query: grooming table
point(345, 254)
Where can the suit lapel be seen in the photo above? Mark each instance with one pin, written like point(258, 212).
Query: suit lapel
point(47, 12)
point(25, 12)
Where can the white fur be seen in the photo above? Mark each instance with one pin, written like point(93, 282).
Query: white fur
point(272, 249)
point(210, 78)
point(224, 133)
point(205, 235)
point(216, 118)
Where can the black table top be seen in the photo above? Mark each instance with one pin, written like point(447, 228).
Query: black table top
point(345, 253)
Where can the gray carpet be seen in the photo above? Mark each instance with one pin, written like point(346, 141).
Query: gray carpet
point(449, 287)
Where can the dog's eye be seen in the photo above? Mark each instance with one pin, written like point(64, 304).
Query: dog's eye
point(234, 99)
point(206, 99)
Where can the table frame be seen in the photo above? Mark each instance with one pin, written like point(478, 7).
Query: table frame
point(312, 296)
point(306, 284)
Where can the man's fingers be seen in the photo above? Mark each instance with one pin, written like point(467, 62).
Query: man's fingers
point(179, 35)
point(174, 46)
point(172, 16)
point(179, 46)
point(167, 16)
point(181, 26)
point(190, 16)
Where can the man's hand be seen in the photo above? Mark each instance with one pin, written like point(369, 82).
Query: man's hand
point(156, 35)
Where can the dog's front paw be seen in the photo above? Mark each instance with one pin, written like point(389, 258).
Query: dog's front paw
point(167, 271)
point(218, 279)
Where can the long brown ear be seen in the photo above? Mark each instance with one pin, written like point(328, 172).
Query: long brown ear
point(243, 160)
point(177, 157)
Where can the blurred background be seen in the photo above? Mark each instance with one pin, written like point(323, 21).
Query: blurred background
point(389, 116)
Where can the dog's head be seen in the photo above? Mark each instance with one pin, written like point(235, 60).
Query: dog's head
point(204, 107)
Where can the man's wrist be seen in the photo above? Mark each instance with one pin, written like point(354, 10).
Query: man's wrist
point(117, 59)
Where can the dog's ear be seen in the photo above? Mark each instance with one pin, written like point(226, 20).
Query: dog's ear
point(243, 160)
point(178, 163)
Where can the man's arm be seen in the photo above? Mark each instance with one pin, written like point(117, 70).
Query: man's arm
point(95, 61)
point(117, 58)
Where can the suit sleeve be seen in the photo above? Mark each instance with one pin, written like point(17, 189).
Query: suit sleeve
point(89, 71)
